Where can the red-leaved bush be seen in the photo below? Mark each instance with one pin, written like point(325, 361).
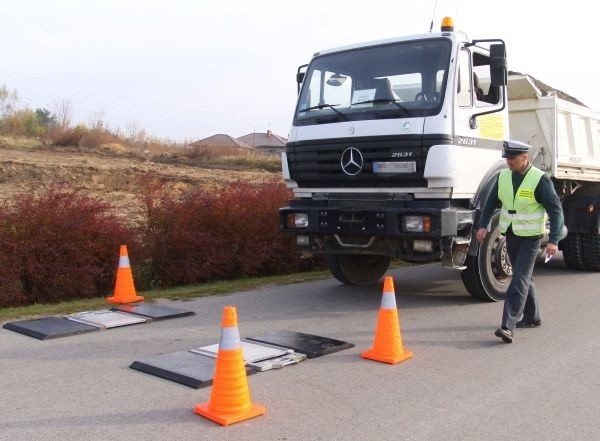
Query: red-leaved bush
point(62, 245)
point(57, 246)
point(10, 286)
point(223, 233)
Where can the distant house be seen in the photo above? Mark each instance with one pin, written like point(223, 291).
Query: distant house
point(220, 140)
point(268, 142)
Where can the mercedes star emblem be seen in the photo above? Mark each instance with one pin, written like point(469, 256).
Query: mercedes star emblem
point(351, 161)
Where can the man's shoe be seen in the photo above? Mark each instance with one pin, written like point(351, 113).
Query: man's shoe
point(505, 334)
point(529, 323)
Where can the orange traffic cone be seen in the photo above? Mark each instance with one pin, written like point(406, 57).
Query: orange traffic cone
point(230, 397)
point(124, 288)
point(387, 346)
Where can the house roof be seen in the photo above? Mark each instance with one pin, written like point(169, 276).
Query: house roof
point(220, 140)
point(259, 139)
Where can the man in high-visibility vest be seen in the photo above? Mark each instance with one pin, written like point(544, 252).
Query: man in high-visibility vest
point(525, 194)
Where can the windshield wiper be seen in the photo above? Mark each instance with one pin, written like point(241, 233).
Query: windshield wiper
point(385, 100)
point(322, 106)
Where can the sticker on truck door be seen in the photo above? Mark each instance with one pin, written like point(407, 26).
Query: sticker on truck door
point(491, 126)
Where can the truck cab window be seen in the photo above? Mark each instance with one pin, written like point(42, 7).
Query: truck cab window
point(406, 87)
point(439, 80)
point(331, 88)
point(400, 80)
point(464, 87)
point(481, 73)
point(337, 89)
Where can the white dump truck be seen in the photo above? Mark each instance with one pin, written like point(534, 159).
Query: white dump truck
point(395, 145)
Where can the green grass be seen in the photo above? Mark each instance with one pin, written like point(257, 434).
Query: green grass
point(178, 293)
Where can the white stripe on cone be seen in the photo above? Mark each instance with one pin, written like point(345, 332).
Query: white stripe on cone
point(123, 262)
point(230, 338)
point(388, 300)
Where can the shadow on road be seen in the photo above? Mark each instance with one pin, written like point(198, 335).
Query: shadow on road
point(426, 286)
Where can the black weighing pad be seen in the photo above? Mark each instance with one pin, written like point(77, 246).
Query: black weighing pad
point(184, 367)
point(154, 311)
point(311, 345)
point(50, 327)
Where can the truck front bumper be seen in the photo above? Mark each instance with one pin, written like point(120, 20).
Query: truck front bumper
point(412, 231)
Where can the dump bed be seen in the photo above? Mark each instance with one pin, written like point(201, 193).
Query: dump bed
point(564, 135)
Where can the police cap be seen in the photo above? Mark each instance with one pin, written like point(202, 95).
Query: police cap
point(510, 149)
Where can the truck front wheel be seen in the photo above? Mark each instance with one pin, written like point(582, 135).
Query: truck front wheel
point(573, 251)
point(489, 273)
point(357, 269)
point(591, 252)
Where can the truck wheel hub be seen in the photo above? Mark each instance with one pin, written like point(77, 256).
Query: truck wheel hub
point(500, 262)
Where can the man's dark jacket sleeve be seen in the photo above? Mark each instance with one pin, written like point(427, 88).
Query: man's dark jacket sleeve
point(491, 203)
point(546, 195)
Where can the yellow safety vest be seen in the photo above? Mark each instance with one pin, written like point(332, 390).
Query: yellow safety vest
point(526, 215)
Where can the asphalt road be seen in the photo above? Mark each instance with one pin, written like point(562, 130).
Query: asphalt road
point(462, 384)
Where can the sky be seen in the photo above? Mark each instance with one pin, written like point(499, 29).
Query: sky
point(188, 69)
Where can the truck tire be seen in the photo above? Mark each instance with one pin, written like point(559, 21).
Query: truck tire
point(573, 251)
point(357, 269)
point(489, 273)
point(591, 251)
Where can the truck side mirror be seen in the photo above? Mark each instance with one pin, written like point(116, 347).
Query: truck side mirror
point(497, 65)
point(300, 75)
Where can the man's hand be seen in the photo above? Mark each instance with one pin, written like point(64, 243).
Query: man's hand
point(481, 233)
point(551, 249)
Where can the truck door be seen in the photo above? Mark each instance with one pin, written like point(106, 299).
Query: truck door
point(474, 95)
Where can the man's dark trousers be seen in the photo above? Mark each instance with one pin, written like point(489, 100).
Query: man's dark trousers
point(521, 298)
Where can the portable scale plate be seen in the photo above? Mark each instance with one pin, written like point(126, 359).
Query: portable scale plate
point(153, 311)
point(46, 328)
point(185, 367)
point(277, 362)
point(253, 352)
point(106, 319)
point(311, 345)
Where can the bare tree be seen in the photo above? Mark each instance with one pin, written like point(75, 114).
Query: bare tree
point(8, 100)
point(97, 121)
point(134, 133)
point(63, 111)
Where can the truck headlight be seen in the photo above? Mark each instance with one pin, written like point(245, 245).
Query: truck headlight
point(297, 220)
point(417, 224)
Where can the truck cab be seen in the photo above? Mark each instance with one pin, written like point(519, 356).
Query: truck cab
point(393, 148)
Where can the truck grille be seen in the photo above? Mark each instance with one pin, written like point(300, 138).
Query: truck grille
point(317, 163)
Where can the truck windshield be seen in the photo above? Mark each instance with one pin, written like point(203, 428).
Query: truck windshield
point(399, 80)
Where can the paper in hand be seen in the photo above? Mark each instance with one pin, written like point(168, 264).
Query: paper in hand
point(548, 257)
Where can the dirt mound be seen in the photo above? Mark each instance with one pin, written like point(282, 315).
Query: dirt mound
point(106, 174)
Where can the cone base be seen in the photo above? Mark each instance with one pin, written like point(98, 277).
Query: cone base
point(370, 354)
point(133, 299)
point(225, 420)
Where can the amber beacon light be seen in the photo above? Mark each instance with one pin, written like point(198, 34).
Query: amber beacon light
point(447, 24)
